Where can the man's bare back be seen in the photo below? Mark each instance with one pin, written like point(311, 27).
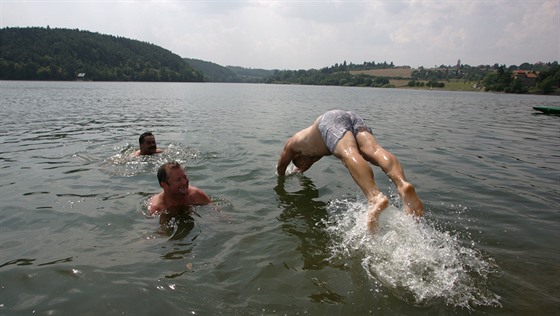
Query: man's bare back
point(303, 149)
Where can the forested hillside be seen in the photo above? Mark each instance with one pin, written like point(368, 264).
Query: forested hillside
point(217, 73)
point(251, 74)
point(63, 54)
point(212, 71)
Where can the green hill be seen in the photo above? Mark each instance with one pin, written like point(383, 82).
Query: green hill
point(217, 73)
point(213, 72)
point(251, 74)
point(63, 54)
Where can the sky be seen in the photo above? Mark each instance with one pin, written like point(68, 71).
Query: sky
point(299, 34)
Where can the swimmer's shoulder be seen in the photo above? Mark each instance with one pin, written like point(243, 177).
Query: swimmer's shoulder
point(155, 204)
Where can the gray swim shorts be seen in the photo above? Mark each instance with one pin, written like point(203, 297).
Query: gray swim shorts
point(333, 124)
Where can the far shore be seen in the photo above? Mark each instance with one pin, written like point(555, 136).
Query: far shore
point(452, 85)
point(406, 73)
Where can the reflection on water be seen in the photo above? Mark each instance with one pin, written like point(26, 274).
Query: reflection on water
point(177, 225)
point(302, 217)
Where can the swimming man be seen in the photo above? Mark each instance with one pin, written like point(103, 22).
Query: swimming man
point(328, 136)
point(177, 196)
point(147, 145)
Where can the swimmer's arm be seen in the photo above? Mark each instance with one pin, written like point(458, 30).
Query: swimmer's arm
point(284, 160)
point(153, 205)
point(201, 198)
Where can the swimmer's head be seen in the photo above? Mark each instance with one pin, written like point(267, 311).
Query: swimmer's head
point(148, 144)
point(165, 170)
point(173, 179)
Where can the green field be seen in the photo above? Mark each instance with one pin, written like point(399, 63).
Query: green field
point(449, 86)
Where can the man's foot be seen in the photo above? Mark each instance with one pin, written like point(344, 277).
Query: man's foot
point(411, 202)
point(375, 208)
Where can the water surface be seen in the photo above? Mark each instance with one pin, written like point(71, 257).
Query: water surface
point(74, 237)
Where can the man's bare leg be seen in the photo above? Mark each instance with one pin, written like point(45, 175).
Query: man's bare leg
point(411, 202)
point(360, 170)
point(374, 211)
point(378, 156)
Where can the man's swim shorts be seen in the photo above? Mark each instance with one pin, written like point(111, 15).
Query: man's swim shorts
point(333, 124)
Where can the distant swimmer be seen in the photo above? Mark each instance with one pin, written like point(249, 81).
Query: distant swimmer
point(177, 196)
point(327, 136)
point(147, 145)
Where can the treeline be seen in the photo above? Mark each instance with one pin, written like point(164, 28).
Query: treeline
point(326, 78)
point(431, 84)
point(213, 72)
point(217, 73)
point(336, 75)
point(62, 54)
point(489, 78)
point(497, 77)
point(253, 75)
point(366, 65)
point(546, 82)
point(447, 73)
point(472, 73)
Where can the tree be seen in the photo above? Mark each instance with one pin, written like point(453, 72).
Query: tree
point(547, 85)
point(517, 86)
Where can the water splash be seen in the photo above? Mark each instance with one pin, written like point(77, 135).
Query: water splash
point(122, 164)
point(412, 259)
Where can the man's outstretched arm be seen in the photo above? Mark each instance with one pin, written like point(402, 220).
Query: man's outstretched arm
point(284, 160)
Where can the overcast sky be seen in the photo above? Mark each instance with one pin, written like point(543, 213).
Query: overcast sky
point(314, 34)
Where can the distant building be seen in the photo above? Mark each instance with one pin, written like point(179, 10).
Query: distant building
point(527, 77)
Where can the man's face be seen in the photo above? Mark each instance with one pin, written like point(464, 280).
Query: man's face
point(148, 147)
point(177, 182)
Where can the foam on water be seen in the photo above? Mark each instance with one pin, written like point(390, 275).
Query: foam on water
point(412, 259)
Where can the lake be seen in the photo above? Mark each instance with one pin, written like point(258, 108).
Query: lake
point(75, 238)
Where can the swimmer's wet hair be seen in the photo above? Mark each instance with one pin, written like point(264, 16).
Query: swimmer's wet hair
point(144, 135)
point(162, 173)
